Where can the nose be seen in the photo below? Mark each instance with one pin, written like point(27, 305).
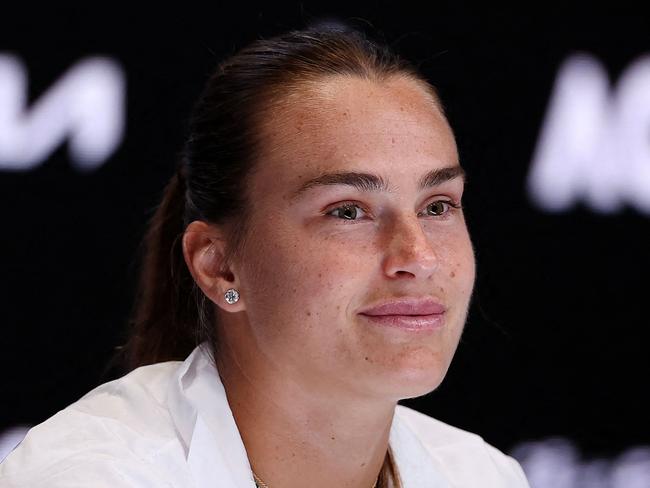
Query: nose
point(410, 249)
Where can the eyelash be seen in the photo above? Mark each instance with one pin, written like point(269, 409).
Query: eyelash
point(344, 205)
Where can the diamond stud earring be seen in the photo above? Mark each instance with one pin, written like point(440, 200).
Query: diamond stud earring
point(231, 295)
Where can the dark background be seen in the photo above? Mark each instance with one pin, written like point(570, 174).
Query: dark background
point(556, 339)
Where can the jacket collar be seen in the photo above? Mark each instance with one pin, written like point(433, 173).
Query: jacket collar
point(213, 446)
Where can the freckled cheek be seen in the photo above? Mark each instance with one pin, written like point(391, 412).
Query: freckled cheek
point(312, 268)
point(330, 273)
point(462, 265)
point(455, 257)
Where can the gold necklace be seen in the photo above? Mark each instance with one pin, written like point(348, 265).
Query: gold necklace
point(260, 484)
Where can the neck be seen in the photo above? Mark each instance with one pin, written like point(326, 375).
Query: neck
point(296, 434)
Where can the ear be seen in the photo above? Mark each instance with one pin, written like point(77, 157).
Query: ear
point(203, 250)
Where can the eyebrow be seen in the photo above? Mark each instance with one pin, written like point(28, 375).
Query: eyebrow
point(369, 182)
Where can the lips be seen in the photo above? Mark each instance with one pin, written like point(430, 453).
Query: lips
point(414, 323)
point(405, 306)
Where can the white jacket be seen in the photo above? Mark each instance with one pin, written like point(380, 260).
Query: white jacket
point(170, 425)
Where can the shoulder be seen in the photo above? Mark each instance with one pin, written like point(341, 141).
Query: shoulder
point(464, 457)
point(115, 434)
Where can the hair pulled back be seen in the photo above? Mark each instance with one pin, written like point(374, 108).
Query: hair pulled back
point(171, 315)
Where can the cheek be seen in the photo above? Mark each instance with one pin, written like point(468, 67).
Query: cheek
point(302, 291)
point(461, 263)
point(303, 271)
point(326, 261)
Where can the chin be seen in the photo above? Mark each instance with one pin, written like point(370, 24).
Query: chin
point(418, 387)
point(413, 382)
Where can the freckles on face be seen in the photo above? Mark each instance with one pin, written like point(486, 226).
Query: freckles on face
point(301, 273)
point(313, 273)
point(303, 307)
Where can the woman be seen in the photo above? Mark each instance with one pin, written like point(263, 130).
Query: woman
point(308, 267)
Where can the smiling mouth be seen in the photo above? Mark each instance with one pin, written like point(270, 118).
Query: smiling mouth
point(409, 322)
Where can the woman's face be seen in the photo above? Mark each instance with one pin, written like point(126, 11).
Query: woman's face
point(311, 266)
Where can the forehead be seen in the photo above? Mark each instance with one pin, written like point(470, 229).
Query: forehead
point(391, 127)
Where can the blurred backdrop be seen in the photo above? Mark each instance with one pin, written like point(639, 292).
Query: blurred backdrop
point(551, 109)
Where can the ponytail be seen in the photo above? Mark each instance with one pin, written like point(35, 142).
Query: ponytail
point(163, 319)
point(223, 144)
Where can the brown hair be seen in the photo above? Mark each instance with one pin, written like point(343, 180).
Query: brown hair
point(171, 315)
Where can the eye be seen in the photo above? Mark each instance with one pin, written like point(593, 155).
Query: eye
point(348, 210)
point(442, 207)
